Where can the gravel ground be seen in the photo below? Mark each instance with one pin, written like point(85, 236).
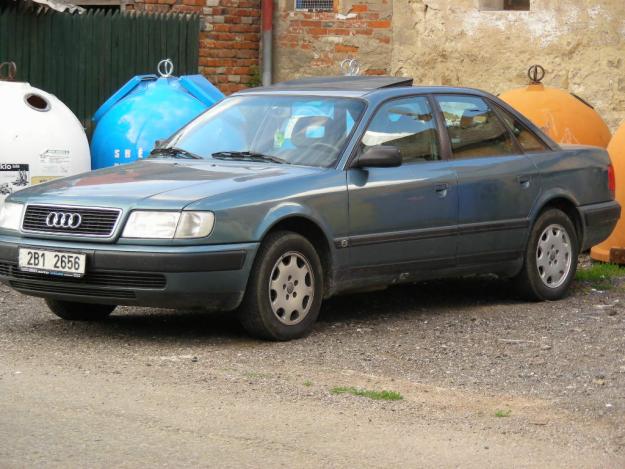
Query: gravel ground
point(163, 388)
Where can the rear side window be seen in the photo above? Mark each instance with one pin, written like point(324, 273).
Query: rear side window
point(474, 129)
point(526, 138)
point(407, 124)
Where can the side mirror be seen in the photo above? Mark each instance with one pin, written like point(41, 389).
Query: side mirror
point(159, 143)
point(379, 156)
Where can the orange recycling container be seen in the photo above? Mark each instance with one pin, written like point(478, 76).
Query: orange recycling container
point(566, 118)
point(613, 248)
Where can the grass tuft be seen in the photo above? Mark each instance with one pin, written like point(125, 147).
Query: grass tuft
point(308, 383)
point(600, 275)
point(503, 413)
point(376, 395)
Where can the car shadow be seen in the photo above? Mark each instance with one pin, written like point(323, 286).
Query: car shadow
point(201, 327)
point(424, 298)
point(177, 325)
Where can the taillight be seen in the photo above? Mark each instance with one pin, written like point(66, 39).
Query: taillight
point(611, 180)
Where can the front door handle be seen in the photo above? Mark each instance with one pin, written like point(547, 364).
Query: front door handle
point(525, 181)
point(441, 189)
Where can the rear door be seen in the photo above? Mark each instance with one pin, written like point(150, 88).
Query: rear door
point(403, 219)
point(497, 182)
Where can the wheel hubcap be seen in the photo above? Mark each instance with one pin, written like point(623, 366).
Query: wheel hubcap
point(554, 256)
point(291, 288)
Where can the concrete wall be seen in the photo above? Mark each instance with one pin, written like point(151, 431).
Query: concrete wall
point(581, 43)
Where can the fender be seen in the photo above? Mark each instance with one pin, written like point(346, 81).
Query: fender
point(287, 210)
point(338, 259)
point(545, 197)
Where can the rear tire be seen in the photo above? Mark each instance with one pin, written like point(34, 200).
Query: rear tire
point(285, 289)
point(73, 311)
point(550, 258)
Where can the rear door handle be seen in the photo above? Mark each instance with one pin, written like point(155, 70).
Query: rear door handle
point(524, 181)
point(441, 189)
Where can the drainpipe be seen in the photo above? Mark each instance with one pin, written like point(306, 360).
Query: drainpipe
point(266, 45)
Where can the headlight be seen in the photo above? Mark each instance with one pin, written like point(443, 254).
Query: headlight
point(11, 216)
point(168, 225)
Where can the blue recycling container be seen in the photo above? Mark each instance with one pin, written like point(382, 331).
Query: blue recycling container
point(146, 109)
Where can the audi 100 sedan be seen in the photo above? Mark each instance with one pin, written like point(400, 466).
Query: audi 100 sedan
point(279, 197)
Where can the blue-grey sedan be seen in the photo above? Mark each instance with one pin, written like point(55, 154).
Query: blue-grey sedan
point(279, 197)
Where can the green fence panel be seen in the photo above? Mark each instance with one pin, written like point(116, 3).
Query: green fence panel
point(84, 58)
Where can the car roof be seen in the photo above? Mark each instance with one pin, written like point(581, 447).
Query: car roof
point(354, 86)
point(342, 83)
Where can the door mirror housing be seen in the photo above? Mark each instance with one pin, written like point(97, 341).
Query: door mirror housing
point(379, 156)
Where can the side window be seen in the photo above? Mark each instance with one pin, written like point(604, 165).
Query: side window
point(474, 129)
point(409, 125)
point(528, 141)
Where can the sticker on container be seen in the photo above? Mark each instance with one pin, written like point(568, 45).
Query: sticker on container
point(55, 163)
point(13, 177)
point(41, 179)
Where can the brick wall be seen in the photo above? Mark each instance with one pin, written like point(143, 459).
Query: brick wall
point(314, 43)
point(229, 39)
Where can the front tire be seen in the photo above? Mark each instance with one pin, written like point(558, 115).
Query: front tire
point(74, 311)
point(285, 289)
point(550, 258)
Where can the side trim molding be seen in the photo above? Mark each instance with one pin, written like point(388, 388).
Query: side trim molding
point(503, 225)
point(429, 233)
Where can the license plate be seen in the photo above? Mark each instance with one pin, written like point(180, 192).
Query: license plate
point(52, 262)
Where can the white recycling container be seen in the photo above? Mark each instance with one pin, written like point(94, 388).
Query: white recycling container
point(40, 137)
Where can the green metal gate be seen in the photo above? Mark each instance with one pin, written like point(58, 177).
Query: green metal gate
point(83, 59)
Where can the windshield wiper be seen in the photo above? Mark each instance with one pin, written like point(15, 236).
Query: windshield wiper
point(175, 152)
point(249, 156)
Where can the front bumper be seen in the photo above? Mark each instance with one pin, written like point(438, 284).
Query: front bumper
point(210, 277)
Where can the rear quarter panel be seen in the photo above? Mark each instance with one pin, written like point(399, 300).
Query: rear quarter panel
point(577, 173)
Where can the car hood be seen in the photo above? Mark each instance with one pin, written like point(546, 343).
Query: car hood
point(163, 184)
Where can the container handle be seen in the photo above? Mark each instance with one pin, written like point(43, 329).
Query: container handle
point(536, 73)
point(165, 68)
point(8, 70)
point(350, 67)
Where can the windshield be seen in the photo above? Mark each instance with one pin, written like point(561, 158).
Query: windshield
point(310, 131)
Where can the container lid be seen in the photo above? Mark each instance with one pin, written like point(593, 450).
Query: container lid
point(202, 89)
point(120, 94)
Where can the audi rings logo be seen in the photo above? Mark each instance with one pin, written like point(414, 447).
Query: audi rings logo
point(63, 220)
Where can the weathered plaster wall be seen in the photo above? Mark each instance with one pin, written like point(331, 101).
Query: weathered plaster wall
point(581, 43)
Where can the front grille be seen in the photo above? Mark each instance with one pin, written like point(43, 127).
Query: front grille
point(71, 290)
point(97, 278)
point(94, 221)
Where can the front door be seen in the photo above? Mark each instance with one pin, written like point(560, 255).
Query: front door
point(403, 220)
